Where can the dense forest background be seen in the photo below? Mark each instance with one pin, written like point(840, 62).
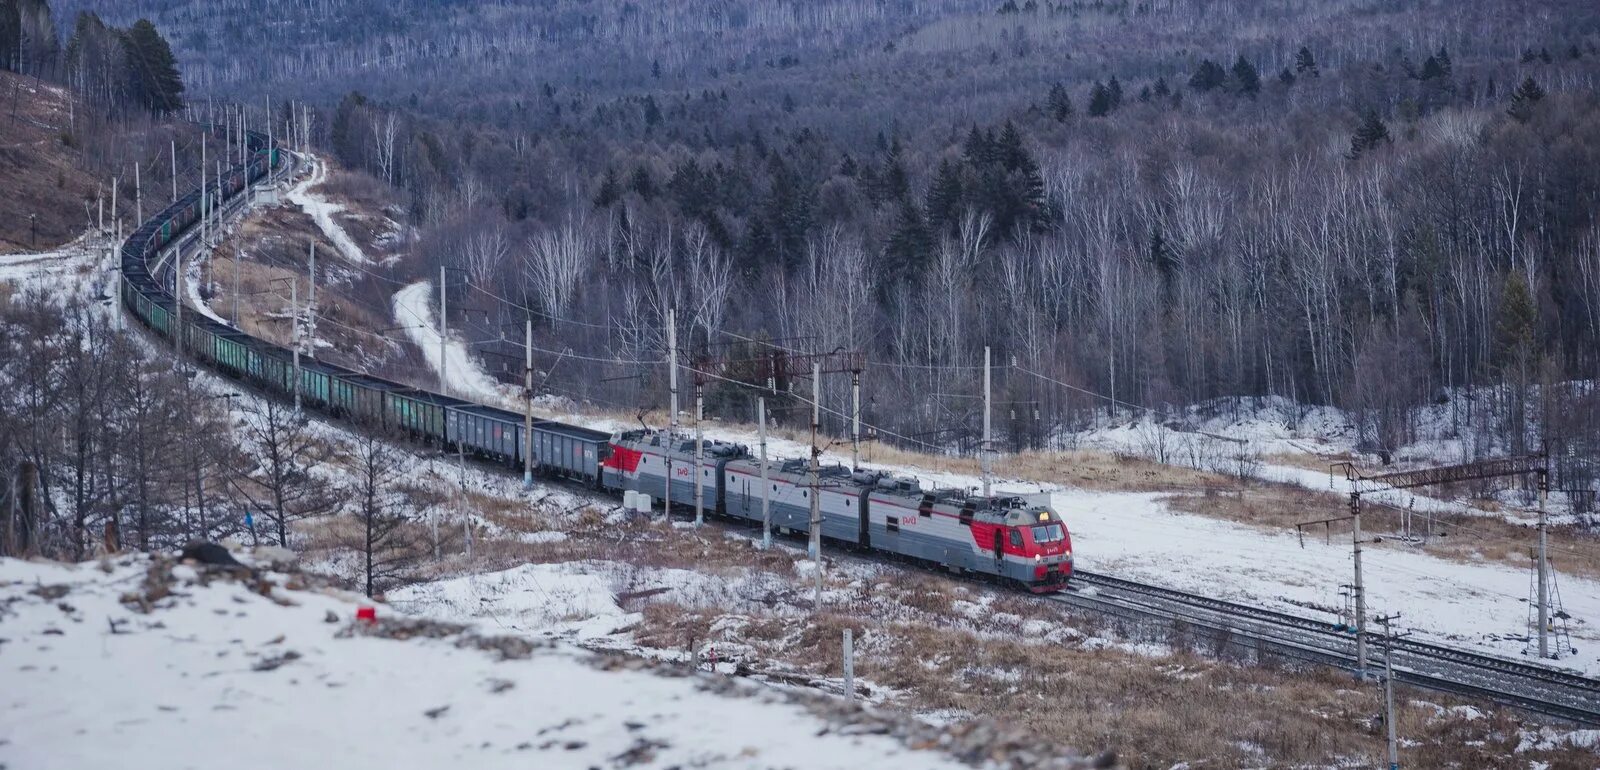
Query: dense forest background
point(1373, 204)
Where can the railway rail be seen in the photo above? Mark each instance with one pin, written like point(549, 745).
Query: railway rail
point(1540, 689)
point(1535, 688)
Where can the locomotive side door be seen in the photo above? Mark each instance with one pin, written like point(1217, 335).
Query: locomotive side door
point(999, 546)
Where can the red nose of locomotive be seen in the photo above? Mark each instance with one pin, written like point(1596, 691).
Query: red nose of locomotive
point(1047, 541)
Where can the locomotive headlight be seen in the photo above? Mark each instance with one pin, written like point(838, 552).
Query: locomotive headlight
point(1037, 558)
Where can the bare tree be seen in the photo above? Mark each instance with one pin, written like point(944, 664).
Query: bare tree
point(556, 262)
point(382, 512)
point(290, 452)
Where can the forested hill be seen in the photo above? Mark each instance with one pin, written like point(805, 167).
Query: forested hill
point(1361, 202)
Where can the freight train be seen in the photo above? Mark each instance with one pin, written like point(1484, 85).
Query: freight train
point(1009, 538)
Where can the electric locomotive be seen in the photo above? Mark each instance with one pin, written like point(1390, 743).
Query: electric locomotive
point(1010, 537)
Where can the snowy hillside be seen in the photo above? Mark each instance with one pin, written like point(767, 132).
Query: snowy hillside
point(135, 663)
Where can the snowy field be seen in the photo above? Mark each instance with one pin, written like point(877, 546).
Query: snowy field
point(220, 674)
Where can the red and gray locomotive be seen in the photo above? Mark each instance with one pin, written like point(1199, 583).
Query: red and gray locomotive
point(1009, 537)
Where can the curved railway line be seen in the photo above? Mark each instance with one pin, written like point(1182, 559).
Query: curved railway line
point(148, 293)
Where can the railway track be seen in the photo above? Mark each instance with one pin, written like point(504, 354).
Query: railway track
point(1539, 689)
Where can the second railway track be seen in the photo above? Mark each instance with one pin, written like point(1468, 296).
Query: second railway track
point(1540, 689)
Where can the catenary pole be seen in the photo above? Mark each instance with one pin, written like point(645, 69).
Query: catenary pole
point(766, 486)
point(444, 328)
point(311, 302)
point(527, 394)
point(987, 450)
point(699, 454)
point(1388, 693)
point(1360, 589)
point(1544, 568)
point(855, 420)
point(294, 313)
point(815, 549)
point(672, 420)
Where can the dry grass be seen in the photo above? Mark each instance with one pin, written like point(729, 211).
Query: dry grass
point(1464, 538)
point(1023, 660)
point(41, 171)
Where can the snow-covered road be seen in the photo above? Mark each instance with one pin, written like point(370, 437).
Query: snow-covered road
point(464, 377)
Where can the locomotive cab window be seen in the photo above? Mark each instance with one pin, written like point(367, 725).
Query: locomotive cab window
point(1016, 538)
point(1048, 533)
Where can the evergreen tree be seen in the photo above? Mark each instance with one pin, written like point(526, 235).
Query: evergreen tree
point(1523, 100)
point(642, 183)
point(1305, 64)
point(1010, 151)
point(1114, 90)
point(655, 69)
point(1286, 77)
point(1208, 76)
point(1372, 133)
point(896, 180)
point(906, 254)
point(1432, 69)
point(1162, 90)
point(1246, 76)
point(1059, 103)
point(1099, 101)
point(1515, 327)
point(847, 166)
point(610, 189)
point(1443, 58)
point(978, 148)
point(156, 82)
point(944, 196)
point(652, 112)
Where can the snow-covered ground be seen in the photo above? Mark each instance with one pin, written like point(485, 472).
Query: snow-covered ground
point(218, 673)
point(81, 269)
point(1475, 606)
point(464, 377)
point(322, 211)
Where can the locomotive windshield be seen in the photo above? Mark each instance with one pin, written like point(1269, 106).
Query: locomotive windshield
point(1048, 533)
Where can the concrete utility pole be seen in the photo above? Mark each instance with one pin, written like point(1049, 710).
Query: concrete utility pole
point(849, 667)
point(766, 485)
point(815, 549)
point(311, 303)
point(216, 236)
point(138, 196)
point(1544, 568)
point(444, 329)
point(237, 257)
point(527, 417)
point(986, 450)
point(461, 476)
point(1388, 692)
point(174, 171)
point(1360, 590)
point(205, 195)
point(177, 303)
point(855, 420)
point(699, 453)
point(114, 197)
point(294, 313)
point(672, 418)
